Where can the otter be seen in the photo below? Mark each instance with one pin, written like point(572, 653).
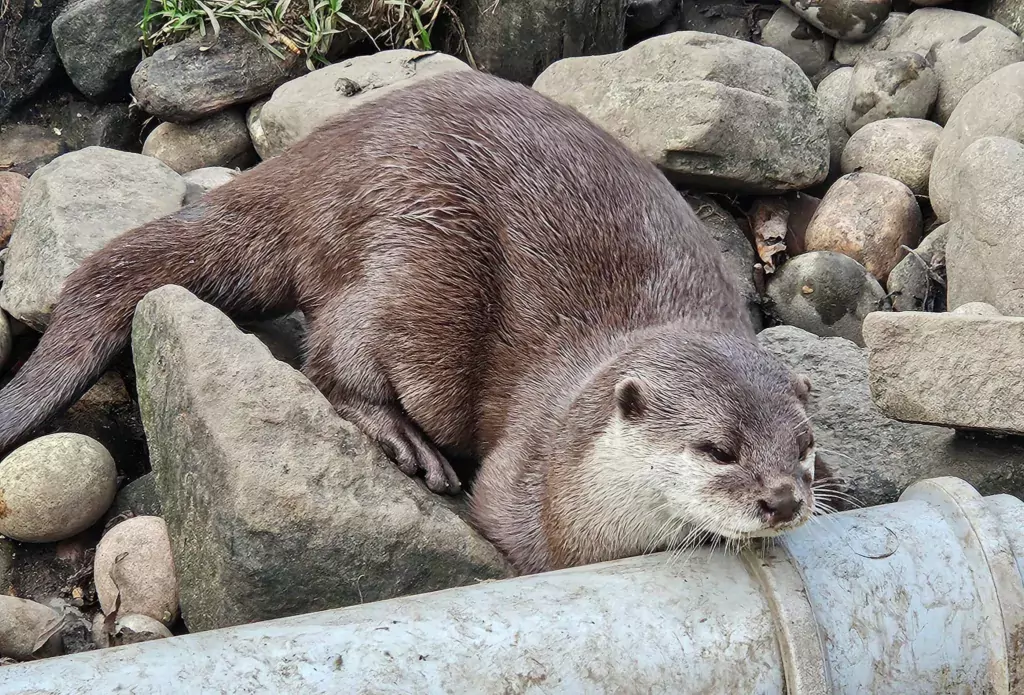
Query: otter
point(488, 273)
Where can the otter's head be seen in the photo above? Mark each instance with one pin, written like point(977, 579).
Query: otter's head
point(712, 435)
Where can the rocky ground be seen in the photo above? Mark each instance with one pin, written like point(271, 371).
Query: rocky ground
point(858, 162)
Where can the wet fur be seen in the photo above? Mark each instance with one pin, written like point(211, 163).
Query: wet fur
point(486, 272)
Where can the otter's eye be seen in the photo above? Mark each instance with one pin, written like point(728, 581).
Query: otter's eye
point(719, 455)
point(806, 448)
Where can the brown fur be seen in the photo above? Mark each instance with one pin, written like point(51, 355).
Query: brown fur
point(480, 269)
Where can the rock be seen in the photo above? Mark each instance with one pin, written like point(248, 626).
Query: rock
point(849, 52)
point(200, 76)
point(807, 46)
point(824, 292)
point(134, 560)
point(869, 218)
point(1009, 13)
point(54, 487)
point(98, 43)
point(300, 106)
point(647, 15)
point(5, 339)
point(985, 249)
point(736, 248)
point(518, 39)
point(900, 148)
point(878, 456)
point(976, 309)
point(222, 140)
point(698, 106)
point(801, 211)
point(256, 134)
point(890, 85)
point(72, 207)
point(994, 107)
point(12, 187)
point(917, 283)
point(832, 93)
point(115, 126)
point(127, 629)
point(27, 56)
point(138, 497)
point(963, 48)
point(918, 372)
point(275, 505)
point(847, 20)
point(26, 148)
point(201, 181)
point(28, 629)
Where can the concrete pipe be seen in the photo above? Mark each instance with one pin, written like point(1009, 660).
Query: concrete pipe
point(923, 596)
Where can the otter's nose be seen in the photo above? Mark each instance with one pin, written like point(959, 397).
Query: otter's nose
point(781, 505)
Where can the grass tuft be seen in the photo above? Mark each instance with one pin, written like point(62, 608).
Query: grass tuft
point(302, 27)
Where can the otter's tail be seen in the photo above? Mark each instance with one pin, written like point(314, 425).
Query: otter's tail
point(92, 321)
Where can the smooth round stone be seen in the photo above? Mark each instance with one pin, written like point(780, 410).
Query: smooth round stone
point(825, 293)
point(805, 45)
point(900, 148)
point(54, 487)
point(846, 20)
point(977, 309)
point(134, 558)
point(869, 218)
point(832, 93)
point(890, 85)
point(25, 623)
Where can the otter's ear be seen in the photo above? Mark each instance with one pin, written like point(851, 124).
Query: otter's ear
point(630, 399)
point(802, 386)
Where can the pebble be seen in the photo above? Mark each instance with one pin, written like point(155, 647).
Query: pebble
point(200, 76)
point(900, 148)
point(695, 104)
point(11, 187)
point(847, 20)
point(825, 293)
point(963, 48)
point(977, 309)
point(849, 52)
point(23, 624)
point(201, 181)
point(916, 283)
point(54, 487)
point(128, 628)
point(868, 217)
point(995, 107)
point(890, 85)
point(806, 45)
point(985, 250)
point(221, 140)
point(26, 148)
point(832, 93)
point(134, 559)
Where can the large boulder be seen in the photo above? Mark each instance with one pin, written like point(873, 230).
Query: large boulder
point(518, 39)
point(275, 505)
point(72, 207)
point(963, 47)
point(711, 111)
point(302, 105)
point(947, 369)
point(985, 249)
point(995, 106)
point(876, 456)
point(201, 75)
point(98, 43)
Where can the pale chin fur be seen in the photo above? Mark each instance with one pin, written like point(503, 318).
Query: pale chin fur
point(661, 495)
